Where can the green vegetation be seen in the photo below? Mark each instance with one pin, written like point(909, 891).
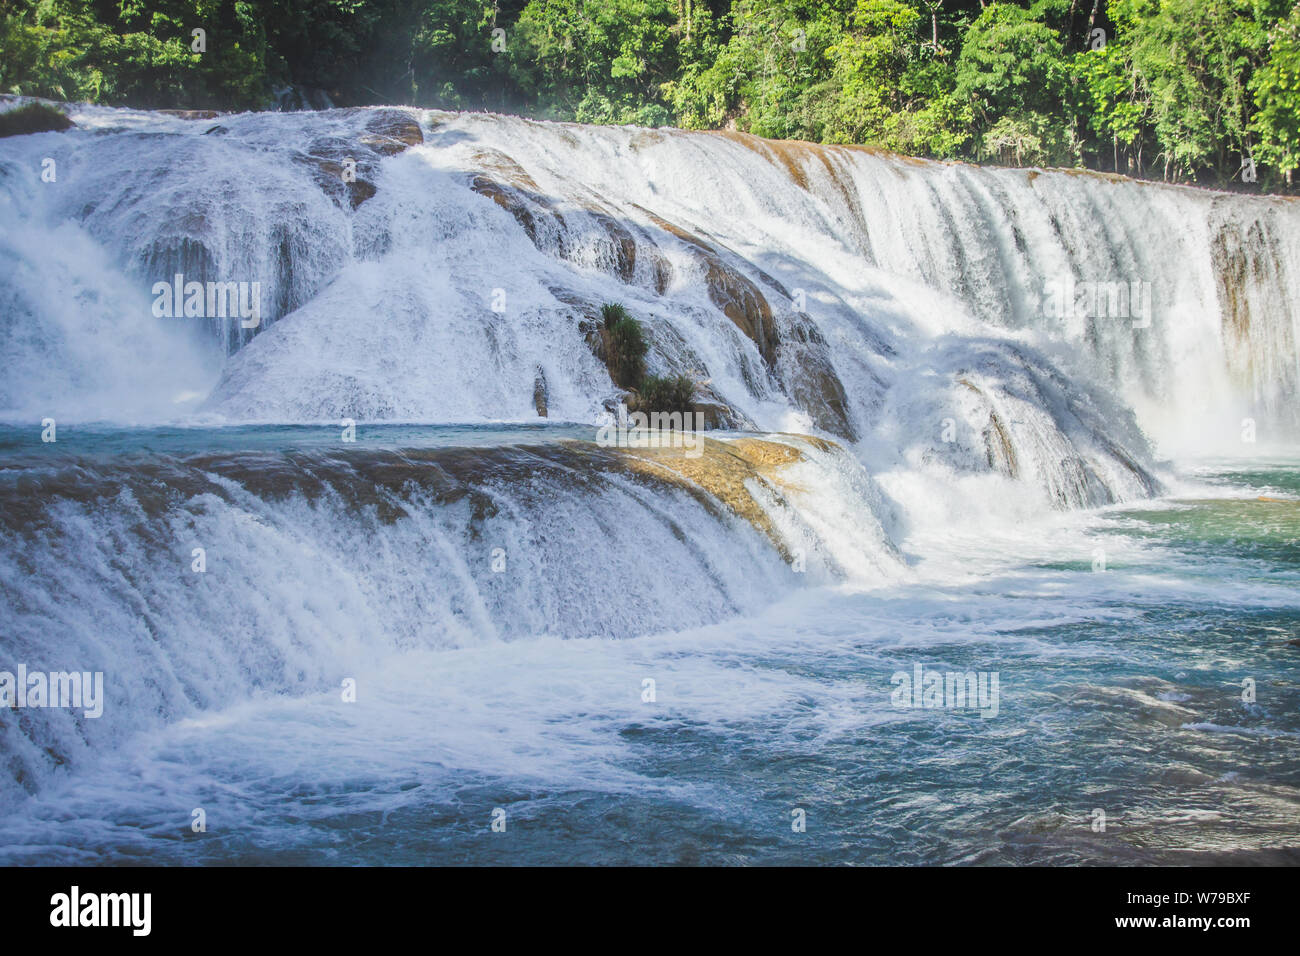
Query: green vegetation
point(1184, 90)
point(611, 313)
point(622, 345)
point(675, 393)
point(32, 118)
point(625, 346)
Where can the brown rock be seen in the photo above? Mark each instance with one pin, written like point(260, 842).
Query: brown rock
point(539, 392)
point(739, 299)
point(193, 114)
point(390, 132)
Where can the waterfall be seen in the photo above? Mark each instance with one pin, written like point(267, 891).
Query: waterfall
point(429, 266)
point(889, 342)
point(317, 563)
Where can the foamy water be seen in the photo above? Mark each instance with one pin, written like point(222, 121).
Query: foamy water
point(1008, 492)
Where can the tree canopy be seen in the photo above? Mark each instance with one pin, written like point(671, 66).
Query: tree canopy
point(1184, 90)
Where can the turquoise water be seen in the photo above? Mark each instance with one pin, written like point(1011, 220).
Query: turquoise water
point(20, 446)
point(1120, 691)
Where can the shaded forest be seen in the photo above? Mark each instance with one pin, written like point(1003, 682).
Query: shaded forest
point(1197, 91)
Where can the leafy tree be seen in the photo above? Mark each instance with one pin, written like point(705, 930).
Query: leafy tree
point(773, 72)
point(1114, 99)
point(1276, 89)
point(1192, 60)
point(601, 61)
point(1190, 88)
point(870, 61)
point(127, 53)
point(1012, 74)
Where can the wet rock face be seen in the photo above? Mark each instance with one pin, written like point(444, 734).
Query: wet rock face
point(805, 369)
point(504, 181)
point(999, 449)
point(1250, 279)
point(722, 476)
point(623, 243)
point(330, 166)
point(798, 359)
point(1019, 417)
point(1233, 272)
point(739, 299)
point(716, 413)
point(390, 132)
point(1001, 454)
point(540, 392)
point(346, 170)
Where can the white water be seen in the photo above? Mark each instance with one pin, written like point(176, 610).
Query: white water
point(751, 714)
point(386, 312)
point(964, 408)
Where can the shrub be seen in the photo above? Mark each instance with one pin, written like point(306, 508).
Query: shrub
point(674, 393)
point(32, 118)
point(624, 351)
point(613, 313)
point(627, 347)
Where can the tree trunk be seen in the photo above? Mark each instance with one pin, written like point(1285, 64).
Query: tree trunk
point(934, 8)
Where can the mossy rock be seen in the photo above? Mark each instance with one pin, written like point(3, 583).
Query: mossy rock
point(33, 118)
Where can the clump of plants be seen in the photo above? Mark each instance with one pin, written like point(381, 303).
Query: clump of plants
point(672, 393)
point(625, 346)
point(33, 118)
point(624, 350)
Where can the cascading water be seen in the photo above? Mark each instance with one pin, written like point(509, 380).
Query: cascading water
point(907, 359)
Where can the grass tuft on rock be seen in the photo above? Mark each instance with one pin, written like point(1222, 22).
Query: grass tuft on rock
point(626, 349)
point(33, 118)
point(622, 345)
point(673, 393)
point(613, 313)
